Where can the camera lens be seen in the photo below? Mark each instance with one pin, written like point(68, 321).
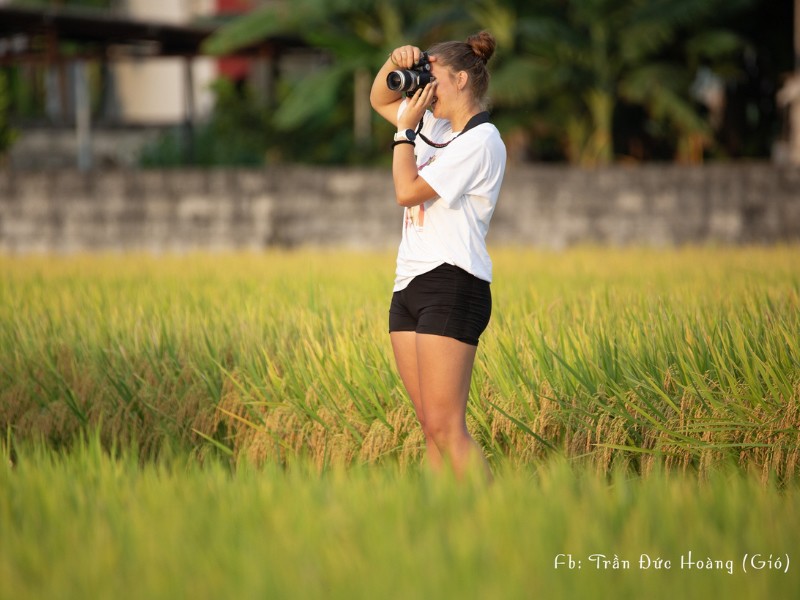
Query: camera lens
point(401, 80)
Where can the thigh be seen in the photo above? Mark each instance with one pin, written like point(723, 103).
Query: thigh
point(404, 345)
point(445, 371)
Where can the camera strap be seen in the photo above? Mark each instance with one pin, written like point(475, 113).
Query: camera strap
point(479, 119)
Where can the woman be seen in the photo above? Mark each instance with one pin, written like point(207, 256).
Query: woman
point(448, 165)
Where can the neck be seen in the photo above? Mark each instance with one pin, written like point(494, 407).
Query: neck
point(460, 120)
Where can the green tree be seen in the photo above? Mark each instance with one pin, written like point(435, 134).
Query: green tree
point(563, 72)
point(567, 65)
point(331, 105)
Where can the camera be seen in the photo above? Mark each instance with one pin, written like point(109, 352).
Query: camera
point(409, 80)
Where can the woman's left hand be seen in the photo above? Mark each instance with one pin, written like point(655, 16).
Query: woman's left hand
point(416, 106)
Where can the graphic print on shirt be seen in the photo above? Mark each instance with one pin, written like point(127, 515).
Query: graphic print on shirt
point(416, 214)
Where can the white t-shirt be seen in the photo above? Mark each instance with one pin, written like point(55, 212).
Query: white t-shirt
point(466, 175)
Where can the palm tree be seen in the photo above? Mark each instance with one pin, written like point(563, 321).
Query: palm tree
point(356, 34)
point(573, 62)
point(563, 68)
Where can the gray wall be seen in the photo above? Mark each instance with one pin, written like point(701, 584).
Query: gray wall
point(546, 206)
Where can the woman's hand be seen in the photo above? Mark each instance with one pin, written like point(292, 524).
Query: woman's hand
point(406, 57)
point(416, 106)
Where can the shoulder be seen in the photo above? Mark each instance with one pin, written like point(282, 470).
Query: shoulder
point(486, 139)
point(487, 132)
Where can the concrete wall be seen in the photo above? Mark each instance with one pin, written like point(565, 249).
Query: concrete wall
point(546, 206)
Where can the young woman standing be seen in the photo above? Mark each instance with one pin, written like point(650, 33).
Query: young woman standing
point(448, 166)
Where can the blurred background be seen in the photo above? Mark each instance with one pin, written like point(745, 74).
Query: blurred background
point(92, 87)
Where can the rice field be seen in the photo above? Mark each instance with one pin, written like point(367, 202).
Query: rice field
point(86, 525)
point(232, 425)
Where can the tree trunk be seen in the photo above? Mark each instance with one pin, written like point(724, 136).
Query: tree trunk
point(599, 149)
point(362, 121)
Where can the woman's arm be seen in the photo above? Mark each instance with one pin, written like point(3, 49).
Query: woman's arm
point(411, 189)
point(383, 100)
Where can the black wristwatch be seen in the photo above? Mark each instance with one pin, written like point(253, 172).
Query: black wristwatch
point(405, 135)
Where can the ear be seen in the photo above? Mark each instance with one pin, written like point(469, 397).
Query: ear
point(462, 79)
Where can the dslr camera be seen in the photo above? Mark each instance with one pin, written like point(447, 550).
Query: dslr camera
point(409, 80)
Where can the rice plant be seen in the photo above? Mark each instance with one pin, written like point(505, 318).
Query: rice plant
point(682, 359)
point(93, 522)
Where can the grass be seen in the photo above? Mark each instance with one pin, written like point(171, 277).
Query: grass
point(233, 426)
point(684, 358)
point(84, 524)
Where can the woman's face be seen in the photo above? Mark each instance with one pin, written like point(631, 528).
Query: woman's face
point(444, 100)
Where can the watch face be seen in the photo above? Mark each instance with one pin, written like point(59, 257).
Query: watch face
point(406, 134)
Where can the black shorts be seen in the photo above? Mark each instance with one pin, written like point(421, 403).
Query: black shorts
point(446, 301)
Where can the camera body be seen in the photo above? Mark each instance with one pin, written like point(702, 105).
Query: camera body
point(409, 80)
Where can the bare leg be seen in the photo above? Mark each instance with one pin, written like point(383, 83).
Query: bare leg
point(404, 344)
point(445, 369)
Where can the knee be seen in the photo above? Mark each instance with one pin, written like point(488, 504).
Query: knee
point(443, 432)
point(422, 421)
point(435, 433)
point(426, 428)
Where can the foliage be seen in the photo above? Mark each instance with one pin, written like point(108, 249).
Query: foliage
point(567, 72)
point(314, 113)
point(569, 69)
point(236, 134)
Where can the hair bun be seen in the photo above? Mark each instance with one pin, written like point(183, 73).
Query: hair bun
point(482, 44)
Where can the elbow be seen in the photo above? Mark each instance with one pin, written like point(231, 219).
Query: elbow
point(408, 194)
point(375, 100)
point(403, 201)
point(407, 200)
point(404, 197)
